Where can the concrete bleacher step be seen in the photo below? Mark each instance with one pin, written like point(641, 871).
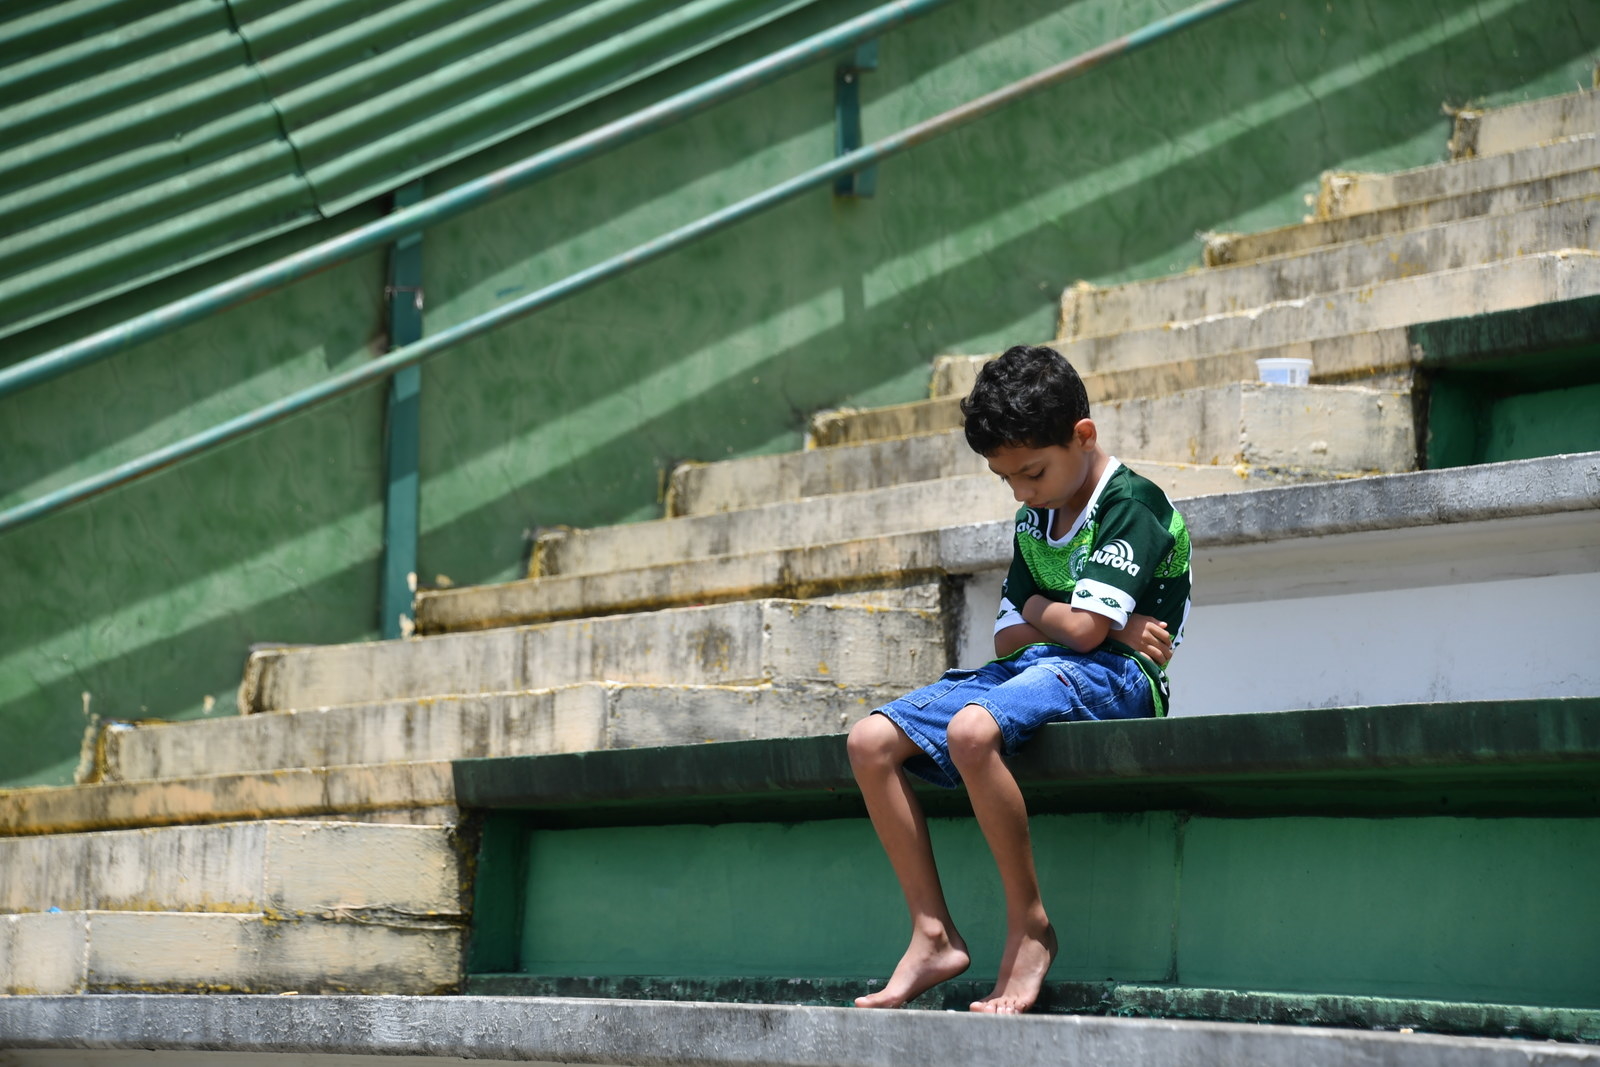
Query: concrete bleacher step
point(1518, 529)
point(1520, 282)
point(1328, 429)
point(736, 484)
point(1360, 332)
point(572, 1028)
point(1376, 359)
point(745, 643)
point(577, 718)
point(1285, 565)
point(1090, 311)
point(886, 571)
point(890, 509)
point(1346, 193)
point(1208, 836)
point(1386, 356)
point(1494, 131)
point(417, 793)
point(263, 906)
point(800, 524)
point(756, 481)
point(1221, 249)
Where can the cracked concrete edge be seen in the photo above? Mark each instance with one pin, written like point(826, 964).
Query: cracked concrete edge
point(1544, 486)
point(1344, 194)
point(669, 1033)
point(583, 717)
point(1497, 131)
point(1272, 513)
point(1294, 274)
point(286, 868)
point(735, 643)
point(190, 952)
point(1237, 248)
point(348, 792)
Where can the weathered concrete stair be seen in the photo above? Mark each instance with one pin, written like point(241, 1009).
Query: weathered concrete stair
point(1506, 129)
point(258, 906)
point(1531, 334)
point(1325, 429)
point(823, 520)
point(889, 565)
point(1519, 282)
point(415, 793)
point(1344, 194)
point(1582, 154)
point(798, 524)
point(498, 1031)
point(1376, 358)
point(1348, 335)
point(787, 477)
point(1268, 555)
point(1088, 311)
point(576, 718)
point(743, 643)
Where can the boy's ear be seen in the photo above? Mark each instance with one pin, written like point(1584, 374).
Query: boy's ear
point(1083, 430)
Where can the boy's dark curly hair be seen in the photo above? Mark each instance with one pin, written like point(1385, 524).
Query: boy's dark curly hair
point(1029, 397)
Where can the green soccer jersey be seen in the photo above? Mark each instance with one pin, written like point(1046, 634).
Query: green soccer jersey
point(1127, 552)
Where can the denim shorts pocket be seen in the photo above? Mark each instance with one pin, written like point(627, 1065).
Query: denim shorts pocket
point(921, 698)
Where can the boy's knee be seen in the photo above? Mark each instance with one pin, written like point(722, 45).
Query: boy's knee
point(874, 739)
point(973, 735)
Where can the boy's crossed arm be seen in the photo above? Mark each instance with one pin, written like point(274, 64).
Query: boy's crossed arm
point(1082, 631)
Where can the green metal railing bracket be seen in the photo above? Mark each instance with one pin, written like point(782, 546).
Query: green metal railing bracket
point(847, 119)
point(402, 431)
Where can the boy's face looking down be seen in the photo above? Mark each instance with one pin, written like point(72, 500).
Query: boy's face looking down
point(1060, 477)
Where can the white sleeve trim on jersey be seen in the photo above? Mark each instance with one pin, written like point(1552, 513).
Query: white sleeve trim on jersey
point(1103, 599)
point(1009, 615)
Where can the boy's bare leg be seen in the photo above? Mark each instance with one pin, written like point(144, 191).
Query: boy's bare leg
point(1002, 815)
point(878, 749)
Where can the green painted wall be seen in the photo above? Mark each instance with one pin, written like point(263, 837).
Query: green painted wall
point(817, 899)
point(1486, 419)
point(1488, 910)
point(148, 598)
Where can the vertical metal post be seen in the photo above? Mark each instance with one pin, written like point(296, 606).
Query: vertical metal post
point(847, 119)
point(402, 436)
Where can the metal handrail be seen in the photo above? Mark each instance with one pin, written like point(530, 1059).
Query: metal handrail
point(448, 338)
point(462, 198)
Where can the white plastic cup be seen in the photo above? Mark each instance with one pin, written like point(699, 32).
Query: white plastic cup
point(1284, 370)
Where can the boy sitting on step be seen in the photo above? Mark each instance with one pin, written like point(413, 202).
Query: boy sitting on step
point(1096, 597)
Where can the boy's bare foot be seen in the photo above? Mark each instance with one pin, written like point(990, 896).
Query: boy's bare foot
point(1022, 969)
point(927, 962)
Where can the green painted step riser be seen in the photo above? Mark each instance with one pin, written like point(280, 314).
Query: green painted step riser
point(1357, 907)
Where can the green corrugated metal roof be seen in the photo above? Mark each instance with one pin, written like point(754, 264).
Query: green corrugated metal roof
point(140, 137)
point(135, 139)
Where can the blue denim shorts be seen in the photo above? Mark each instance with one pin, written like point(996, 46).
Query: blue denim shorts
point(1036, 685)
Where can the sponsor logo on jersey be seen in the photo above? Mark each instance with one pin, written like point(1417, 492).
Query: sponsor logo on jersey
point(1117, 555)
point(1033, 525)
